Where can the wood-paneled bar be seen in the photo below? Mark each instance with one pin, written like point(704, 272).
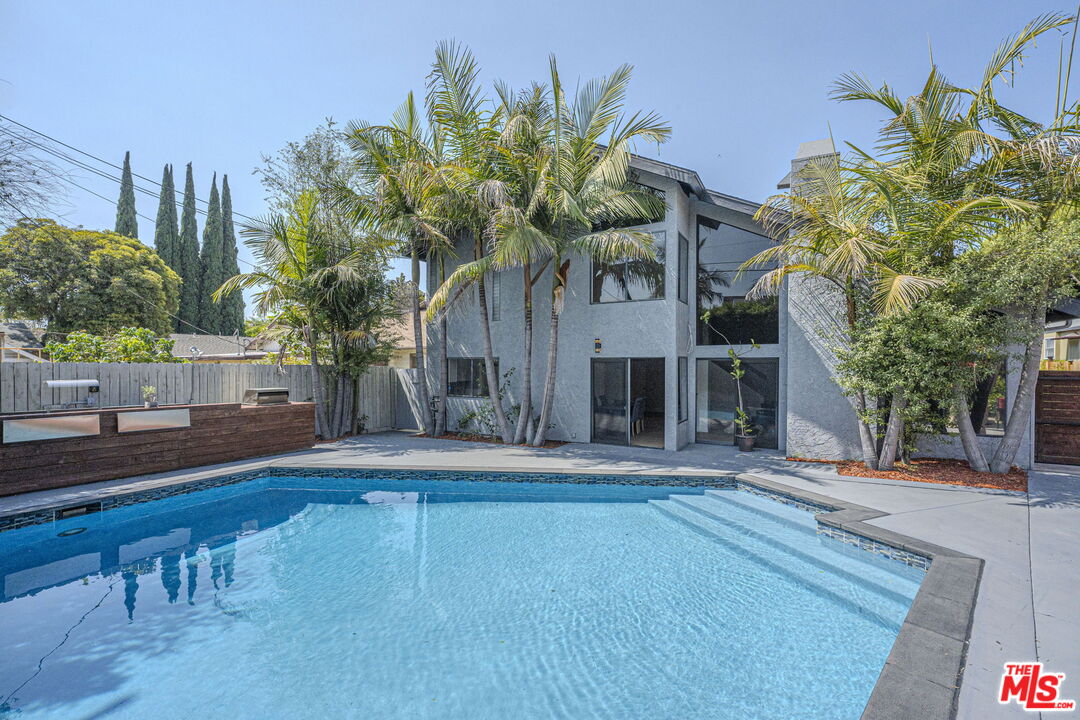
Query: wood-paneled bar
point(137, 441)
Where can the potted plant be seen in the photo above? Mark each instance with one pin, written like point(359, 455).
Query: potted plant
point(744, 436)
point(149, 394)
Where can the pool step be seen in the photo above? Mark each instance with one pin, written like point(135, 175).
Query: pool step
point(719, 504)
point(799, 556)
point(794, 532)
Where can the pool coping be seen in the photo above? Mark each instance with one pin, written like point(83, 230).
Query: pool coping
point(931, 646)
point(921, 677)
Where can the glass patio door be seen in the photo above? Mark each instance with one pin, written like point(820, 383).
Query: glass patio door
point(610, 410)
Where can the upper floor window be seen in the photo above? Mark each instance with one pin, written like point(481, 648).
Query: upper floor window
point(631, 279)
point(723, 317)
point(466, 377)
point(1048, 348)
point(496, 295)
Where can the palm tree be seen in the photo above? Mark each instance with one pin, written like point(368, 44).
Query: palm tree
point(473, 187)
point(979, 160)
point(585, 187)
point(316, 284)
point(399, 164)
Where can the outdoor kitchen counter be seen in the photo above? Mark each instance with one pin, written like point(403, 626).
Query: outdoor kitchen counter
point(217, 433)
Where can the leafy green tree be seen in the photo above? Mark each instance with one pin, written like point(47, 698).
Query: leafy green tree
point(187, 259)
point(232, 307)
point(329, 291)
point(126, 221)
point(212, 265)
point(77, 279)
point(398, 169)
point(586, 186)
point(166, 230)
point(126, 345)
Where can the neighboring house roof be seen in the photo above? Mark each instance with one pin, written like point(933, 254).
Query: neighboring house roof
point(220, 346)
point(1063, 314)
point(402, 332)
point(21, 335)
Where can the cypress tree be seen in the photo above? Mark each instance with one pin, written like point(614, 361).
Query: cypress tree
point(126, 222)
point(166, 231)
point(233, 306)
point(212, 261)
point(188, 259)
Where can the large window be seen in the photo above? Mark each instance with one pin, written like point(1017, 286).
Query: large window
point(725, 317)
point(718, 396)
point(466, 377)
point(632, 279)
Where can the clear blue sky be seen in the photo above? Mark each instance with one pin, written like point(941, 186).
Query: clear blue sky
point(221, 83)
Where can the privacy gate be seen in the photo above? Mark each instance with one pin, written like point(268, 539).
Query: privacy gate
point(1057, 418)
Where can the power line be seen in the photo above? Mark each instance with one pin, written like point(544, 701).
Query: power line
point(106, 162)
point(100, 173)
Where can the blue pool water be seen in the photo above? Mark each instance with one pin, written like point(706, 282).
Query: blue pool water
point(413, 597)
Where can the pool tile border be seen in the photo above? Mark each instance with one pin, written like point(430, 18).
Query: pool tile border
point(922, 675)
point(927, 658)
point(106, 500)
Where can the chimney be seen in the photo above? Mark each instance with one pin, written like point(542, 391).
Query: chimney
point(807, 152)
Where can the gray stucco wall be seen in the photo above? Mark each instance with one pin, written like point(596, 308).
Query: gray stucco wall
point(815, 419)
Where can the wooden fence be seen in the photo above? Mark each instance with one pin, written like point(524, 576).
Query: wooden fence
point(22, 385)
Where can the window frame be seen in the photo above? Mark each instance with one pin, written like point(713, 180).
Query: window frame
point(496, 296)
point(682, 388)
point(683, 280)
point(481, 375)
point(663, 276)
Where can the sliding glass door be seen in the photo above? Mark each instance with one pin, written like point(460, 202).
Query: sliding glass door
point(717, 398)
point(628, 401)
point(609, 406)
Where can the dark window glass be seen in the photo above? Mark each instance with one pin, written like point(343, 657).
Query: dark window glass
point(720, 250)
point(717, 398)
point(466, 377)
point(633, 279)
point(683, 390)
point(684, 252)
point(738, 321)
point(496, 296)
point(610, 412)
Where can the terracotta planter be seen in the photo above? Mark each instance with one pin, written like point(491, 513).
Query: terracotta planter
point(745, 442)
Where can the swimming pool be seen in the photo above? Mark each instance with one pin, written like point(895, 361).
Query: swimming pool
point(403, 595)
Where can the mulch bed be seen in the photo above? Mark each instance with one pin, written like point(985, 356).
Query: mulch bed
point(933, 470)
point(470, 437)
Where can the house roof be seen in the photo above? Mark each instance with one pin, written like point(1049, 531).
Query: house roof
point(402, 332)
point(219, 346)
point(21, 335)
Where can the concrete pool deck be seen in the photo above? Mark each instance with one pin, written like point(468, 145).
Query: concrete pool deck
point(1027, 606)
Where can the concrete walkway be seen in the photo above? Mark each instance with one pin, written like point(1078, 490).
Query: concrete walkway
point(1029, 600)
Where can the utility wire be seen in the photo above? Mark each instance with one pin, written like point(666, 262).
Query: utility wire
point(100, 173)
point(106, 162)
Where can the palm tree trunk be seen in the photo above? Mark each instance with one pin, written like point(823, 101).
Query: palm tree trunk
point(893, 432)
point(489, 364)
point(972, 450)
point(558, 284)
point(866, 435)
point(317, 384)
point(1020, 414)
point(440, 410)
point(525, 414)
point(418, 333)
